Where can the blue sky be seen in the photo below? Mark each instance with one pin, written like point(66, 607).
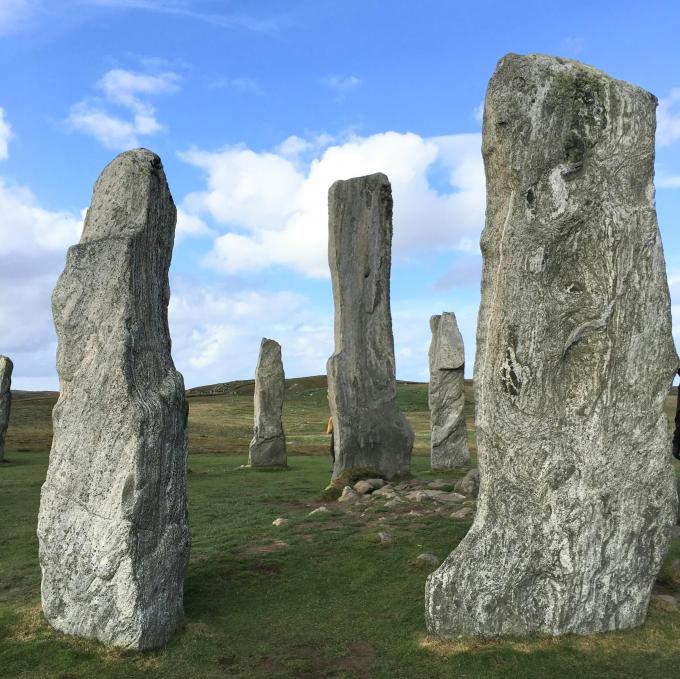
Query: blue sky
point(255, 108)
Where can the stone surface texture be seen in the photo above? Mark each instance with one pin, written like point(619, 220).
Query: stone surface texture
point(446, 395)
point(6, 367)
point(268, 446)
point(370, 431)
point(113, 529)
point(574, 361)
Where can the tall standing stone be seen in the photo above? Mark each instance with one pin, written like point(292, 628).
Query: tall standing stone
point(371, 433)
point(268, 447)
point(574, 362)
point(446, 395)
point(6, 367)
point(113, 528)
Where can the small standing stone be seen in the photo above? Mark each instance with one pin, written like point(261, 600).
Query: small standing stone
point(113, 525)
point(370, 431)
point(6, 367)
point(268, 447)
point(469, 484)
point(446, 395)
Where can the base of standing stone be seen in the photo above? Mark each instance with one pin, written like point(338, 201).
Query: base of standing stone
point(268, 454)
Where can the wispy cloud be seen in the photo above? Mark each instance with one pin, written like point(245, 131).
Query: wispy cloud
point(14, 13)
point(668, 118)
point(5, 136)
point(668, 182)
point(242, 85)
point(185, 10)
point(130, 91)
point(573, 46)
point(341, 84)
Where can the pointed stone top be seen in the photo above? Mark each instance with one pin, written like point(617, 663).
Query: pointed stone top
point(127, 194)
point(447, 349)
point(376, 179)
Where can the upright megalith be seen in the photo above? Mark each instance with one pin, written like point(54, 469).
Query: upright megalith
point(371, 433)
point(446, 395)
point(574, 361)
point(6, 367)
point(268, 447)
point(113, 528)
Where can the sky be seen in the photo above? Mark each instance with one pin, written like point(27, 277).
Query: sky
point(256, 108)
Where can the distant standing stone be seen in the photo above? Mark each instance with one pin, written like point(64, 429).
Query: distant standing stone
point(268, 447)
point(469, 484)
point(446, 395)
point(6, 367)
point(113, 525)
point(575, 359)
point(371, 433)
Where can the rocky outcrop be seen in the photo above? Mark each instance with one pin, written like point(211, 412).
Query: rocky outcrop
point(371, 433)
point(6, 367)
point(268, 447)
point(113, 525)
point(574, 362)
point(446, 395)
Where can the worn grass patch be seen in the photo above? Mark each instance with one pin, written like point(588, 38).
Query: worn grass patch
point(317, 597)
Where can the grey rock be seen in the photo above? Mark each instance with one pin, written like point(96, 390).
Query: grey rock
point(427, 559)
point(368, 485)
point(268, 446)
point(417, 496)
point(279, 522)
point(463, 514)
point(370, 431)
point(446, 395)
point(394, 502)
point(385, 491)
point(575, 359)
point(440, 484)
point(385, 538)
point(6, 367)
point(469, 484)
point(113, 527)
point(450, 497)
point(319, 510)
point(348, 495)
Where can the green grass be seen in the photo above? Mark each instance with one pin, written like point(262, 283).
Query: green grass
point(315, 598)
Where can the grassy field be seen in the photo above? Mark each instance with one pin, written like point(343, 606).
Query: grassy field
point(315, 598)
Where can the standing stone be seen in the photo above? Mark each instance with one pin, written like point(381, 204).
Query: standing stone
point(113, 525)
point(574, 361)
point(6, 368)
point(371, 433)
point(268, 447)
point(446, 395)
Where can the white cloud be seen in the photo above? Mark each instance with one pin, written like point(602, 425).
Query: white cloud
point(668, 118)
point(190, 225)
point(668, 182)
point(34, 242)
point(216, 331)
point(13, 14)
point(5, 136)
point(129, 91)
point(341, 84)
point(275, 212)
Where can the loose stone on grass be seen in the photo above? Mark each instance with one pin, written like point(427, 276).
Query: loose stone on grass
point(279, 522)
point(427, 560)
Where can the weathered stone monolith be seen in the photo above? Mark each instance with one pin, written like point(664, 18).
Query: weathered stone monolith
point(6, 368)
point(574, 362)
point(113, 529)
point(446, 395)
point(268, 447)
point(371, 433)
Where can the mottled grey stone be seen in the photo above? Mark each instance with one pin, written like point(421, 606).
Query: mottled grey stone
point(6, 368)
point(268, 446)
point(574, 362)
point(446, 395)
point(469, 484)
point(370, 431)
point(113, 526)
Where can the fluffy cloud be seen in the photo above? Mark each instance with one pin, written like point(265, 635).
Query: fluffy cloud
point(216, 331)
point(127, 90)
point(5, 136)
point(274, 206)
point(34, 244)
point(668, 118)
